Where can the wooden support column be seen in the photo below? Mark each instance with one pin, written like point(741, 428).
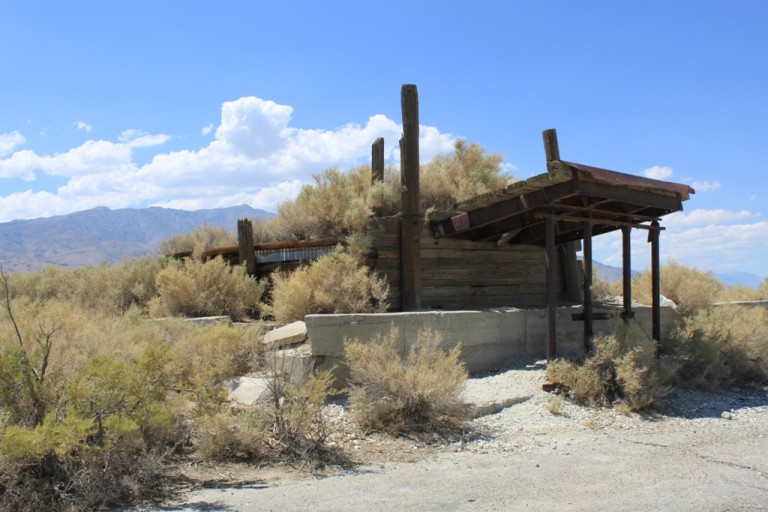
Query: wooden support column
point(626, 266)
point(246, 246)
point(377, 167)
point(410, 224)
point(587, 256)
point(549, 232)
point(551, 149)
point(653, 238)
point(571, 271)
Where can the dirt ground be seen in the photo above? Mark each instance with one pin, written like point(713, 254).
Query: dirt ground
point(704, 452)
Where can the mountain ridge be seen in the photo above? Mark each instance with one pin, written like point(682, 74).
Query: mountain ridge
point(99, 235)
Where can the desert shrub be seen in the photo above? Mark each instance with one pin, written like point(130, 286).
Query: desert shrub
point(762, 290)
point(334, 283)
point(287, 424)
point(202, 238)
point(622, 370)
point(689, 288)
point(413, 392)
point(338, 203)
point(110, 288)
point(737, 293)
point(605, 289)
point(723, 346)
point(206, 288)
point(467, 172)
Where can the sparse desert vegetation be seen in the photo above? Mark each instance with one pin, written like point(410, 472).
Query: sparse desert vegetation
point(104, 388)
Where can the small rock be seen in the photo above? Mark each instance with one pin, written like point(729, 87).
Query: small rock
point(726, 415)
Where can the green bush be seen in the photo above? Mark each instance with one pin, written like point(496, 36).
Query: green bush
point(334, 283)
point(413, 392)
point(206, 288)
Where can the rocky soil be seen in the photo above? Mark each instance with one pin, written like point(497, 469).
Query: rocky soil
point(702, 451)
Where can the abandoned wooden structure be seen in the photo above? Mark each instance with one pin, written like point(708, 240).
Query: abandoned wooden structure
point(516, 246)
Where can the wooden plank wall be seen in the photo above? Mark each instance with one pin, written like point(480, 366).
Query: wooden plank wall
point(458, 274)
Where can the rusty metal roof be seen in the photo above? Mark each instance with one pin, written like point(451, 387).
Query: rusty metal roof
point(571, 193)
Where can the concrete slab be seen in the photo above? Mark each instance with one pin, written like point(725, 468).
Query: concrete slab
point(291, 334)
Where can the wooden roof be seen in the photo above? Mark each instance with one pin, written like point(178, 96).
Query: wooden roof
point(572, 194)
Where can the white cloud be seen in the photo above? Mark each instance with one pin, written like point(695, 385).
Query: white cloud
point(706, 217)
point(82, 126)
point(256, 157)
point(10, 141)
point(658, 172)
point(719, 247)
point(705, 186)
point(207, 129)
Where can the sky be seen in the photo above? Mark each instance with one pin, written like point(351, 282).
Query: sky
point(191, 104)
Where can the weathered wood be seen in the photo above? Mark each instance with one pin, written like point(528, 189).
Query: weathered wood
point(377, 167)
point(587, 303)
point(626, 266)
point(245, 245)
point(653, 238)
point(410, 222)
point(571, 271)
point(551, 148)
point(550, 287)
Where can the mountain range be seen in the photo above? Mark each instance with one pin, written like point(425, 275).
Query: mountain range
point(102, 235)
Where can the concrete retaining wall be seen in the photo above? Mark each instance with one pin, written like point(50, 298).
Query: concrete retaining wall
point(489, 337)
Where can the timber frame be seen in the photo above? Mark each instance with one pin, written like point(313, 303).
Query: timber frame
point(568, 204)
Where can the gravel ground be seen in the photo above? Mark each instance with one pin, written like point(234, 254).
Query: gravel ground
point(703, 451)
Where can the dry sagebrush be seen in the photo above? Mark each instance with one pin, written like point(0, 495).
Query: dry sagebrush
point(416, 391)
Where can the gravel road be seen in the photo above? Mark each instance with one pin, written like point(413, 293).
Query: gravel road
point(704, 452)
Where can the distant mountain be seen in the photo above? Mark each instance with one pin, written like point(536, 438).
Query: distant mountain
point(103, 235)
point(610, 273)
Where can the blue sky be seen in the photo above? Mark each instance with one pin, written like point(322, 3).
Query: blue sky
point(192, 105)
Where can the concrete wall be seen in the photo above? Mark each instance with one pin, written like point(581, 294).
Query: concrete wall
point(489, 337)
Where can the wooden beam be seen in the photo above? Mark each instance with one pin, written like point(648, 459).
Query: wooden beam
point(245, 245)
point(377, 167)
point(571, 275)
point(653, 238)
point(551, 298)
point(587, 258)
point(626, 266)
point(411, 208)
point(551, 148)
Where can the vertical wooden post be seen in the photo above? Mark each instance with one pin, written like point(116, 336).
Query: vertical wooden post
point(626, 267)
point(246, 246)
point(587, 255)
point(410, 224)
point(571, 275)
point(549, 232)
point(377, 167)
point(551, 148)
point(653, 238)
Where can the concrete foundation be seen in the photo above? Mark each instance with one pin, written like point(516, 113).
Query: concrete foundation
point(489, 338)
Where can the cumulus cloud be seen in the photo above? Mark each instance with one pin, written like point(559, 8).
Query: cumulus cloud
point(705, 186)
point(9, 142)
point(658, 172)
point(256, 157)
point(82, 126)
point(207, 129)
